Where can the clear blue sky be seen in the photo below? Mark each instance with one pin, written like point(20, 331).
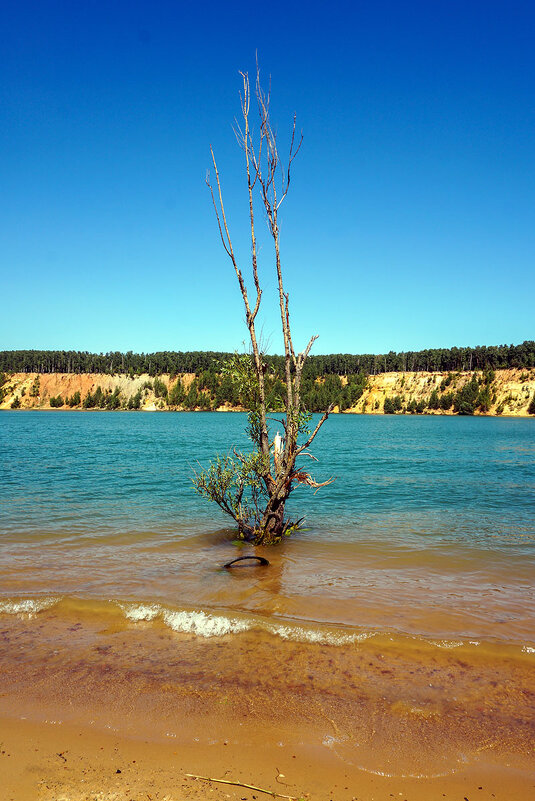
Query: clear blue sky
point(410, 222)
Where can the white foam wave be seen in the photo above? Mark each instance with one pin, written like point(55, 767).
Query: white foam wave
point(447, 643)
point(28, 606)
point(204, 625)
point(200, 623)
point(317, 635)
point(527, 649)
point(141, 611)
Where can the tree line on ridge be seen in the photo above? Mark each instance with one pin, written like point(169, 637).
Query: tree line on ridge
point(173, 363)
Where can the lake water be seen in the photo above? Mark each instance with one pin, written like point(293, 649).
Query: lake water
point(418, 561)
point(434, 509)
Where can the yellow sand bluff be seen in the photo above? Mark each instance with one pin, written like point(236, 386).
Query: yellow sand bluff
point(511, 392)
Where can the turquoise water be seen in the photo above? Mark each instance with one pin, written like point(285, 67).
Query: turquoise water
point(428, 531)
point(414, 477)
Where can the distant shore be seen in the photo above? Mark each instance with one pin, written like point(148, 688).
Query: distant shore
point(508, 393)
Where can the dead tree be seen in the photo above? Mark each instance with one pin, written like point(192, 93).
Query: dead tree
point(254, 488)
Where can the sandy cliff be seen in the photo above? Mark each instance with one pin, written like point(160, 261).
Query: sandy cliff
point(510, 391)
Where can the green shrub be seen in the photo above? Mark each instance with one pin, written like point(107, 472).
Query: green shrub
point(134, 401)
point(88, 401)
point(446, 382)
point(114, 400)
point(465, 401)
point(434, 400)
point(484, 399)
point(388, 406)
point(160, 390)
point(75, 399)
point(176, 394)
point(446, 401)
point(15, 403)
point(35, 389)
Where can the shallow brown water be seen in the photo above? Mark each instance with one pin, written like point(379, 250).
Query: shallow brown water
point(445, 594)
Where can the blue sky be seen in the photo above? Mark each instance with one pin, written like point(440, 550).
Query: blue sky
point(410, 221)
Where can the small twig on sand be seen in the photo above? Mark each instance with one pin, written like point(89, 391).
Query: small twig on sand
point(240, 784)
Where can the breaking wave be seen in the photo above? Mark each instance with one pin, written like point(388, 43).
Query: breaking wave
point(28, 607)
point(200, 623)
point(208, 623)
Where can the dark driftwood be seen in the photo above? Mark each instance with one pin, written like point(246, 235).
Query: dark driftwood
point(259, 559)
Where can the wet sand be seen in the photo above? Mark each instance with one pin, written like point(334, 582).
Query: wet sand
point(85, 696)
point(43, 762)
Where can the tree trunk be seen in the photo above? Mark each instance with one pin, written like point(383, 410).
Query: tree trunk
point(263, 168)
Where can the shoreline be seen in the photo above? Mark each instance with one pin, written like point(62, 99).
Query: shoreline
point(84, 698)
point(348, 412)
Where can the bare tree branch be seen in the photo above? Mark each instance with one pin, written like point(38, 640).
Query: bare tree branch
point(271, 473)
point(311, 438)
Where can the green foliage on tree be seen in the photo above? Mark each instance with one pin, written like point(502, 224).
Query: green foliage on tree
point(97, 399)
point(35, 389)
point(434, 400)
point(173, 363)
point(484, 399)
point(134, 401)
point(393, 405)
point(176, 393)
point(74, 399)
point(56, 402)
point(388, 407)
point(113, 401)
point(446, 401)
point(466, 399)
point(15, 404)
point(160, 390)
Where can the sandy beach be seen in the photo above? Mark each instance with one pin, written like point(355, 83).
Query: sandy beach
point(94, 709)
point(47, 762)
